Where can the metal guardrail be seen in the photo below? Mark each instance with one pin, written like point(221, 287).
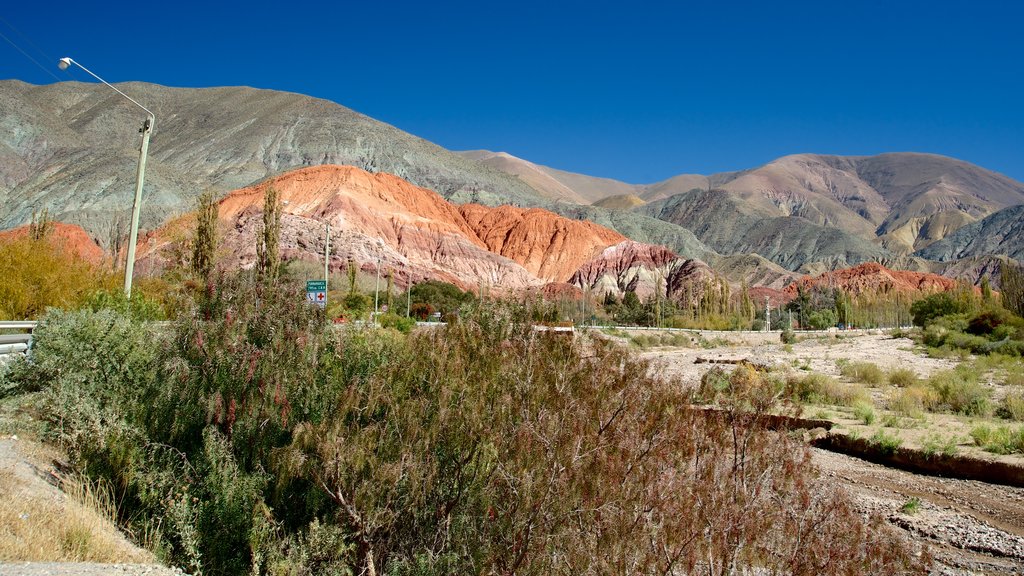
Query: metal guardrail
point(19, 342)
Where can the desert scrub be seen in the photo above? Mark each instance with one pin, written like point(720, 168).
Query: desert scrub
point(1012, 406)
point(913, 402)
point(865, 412)
point(885, 442)
point(258, 439)
point(999, 439)
point(815, 388)
point(935, 444)
point(960, 393)
point(864, 372)
point(903, 377)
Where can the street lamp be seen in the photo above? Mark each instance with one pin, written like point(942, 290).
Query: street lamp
point(147, 129)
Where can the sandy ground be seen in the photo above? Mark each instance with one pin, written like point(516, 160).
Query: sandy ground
point(818, 354)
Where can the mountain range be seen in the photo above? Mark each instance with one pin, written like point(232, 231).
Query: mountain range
point(72, 148)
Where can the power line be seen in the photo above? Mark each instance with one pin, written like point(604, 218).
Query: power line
point(26, 54)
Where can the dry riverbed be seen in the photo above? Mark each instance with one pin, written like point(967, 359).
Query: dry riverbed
point(970, 527)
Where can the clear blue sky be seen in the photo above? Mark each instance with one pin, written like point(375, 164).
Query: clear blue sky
point(634, 91)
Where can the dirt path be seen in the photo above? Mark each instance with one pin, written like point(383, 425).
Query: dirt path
point(970, 527)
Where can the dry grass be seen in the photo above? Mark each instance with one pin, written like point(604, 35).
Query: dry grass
point(39, 523)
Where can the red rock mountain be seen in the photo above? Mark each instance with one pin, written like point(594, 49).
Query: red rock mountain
point(411, 230)
point(873, 277)
point(72, 238)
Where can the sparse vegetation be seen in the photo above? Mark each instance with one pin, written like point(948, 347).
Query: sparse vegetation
point(999, 439)
point(903, 378)
point(935, 444)
point(885, 442)
point(864, 372)
point(911, 506)
point(865, 412)
point(815, 388)
point(913, 402)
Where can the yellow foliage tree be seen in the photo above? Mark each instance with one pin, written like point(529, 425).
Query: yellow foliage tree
point(36, 274)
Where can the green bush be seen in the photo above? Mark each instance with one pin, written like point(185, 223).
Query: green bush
point(865, 412)
point(903, 377)
point(885, 442)
point(787, 336)
point(935, 445)
point(913, 401)
point(1012, 406)
point(817, 388)
point(865, 372)
point(998, 439)
point(396, 322)
point(961, 394)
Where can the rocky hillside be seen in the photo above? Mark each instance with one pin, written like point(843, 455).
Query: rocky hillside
point(877, 207)
point(411, 230)
point(1001, 233)
point(73, 148)
point(875, 278)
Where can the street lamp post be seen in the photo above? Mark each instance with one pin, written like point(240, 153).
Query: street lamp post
point(147, 129)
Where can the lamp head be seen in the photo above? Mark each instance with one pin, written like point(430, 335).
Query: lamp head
point(63, 63)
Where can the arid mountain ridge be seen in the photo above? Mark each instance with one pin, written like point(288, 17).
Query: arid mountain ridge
point(383, 220)
point(854, 208)
point(70, 147)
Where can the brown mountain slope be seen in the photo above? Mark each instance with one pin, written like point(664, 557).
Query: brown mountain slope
point(898, 202)
point(553, 183)
point(533, 175)
point(620, 202)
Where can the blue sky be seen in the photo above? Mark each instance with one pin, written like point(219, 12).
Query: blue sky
point(634, 91)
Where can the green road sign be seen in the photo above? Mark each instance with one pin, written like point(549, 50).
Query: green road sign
point(316, 292)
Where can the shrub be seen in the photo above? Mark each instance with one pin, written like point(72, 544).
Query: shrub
point(998, 439)
point(400, 323)
point(913, 401)
point(818, 388)
point(934, 445)
point(960, 394)
point(903, 377)
point(886, 443)
point(912, 506)
point(787, 336)
point(36, 274)
point(1012, 406)
point(865, 412)
point(865, 372)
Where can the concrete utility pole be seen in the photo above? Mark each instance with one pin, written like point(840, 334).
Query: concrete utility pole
point(327, 252)
point(147, 129)
point(767, 315)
